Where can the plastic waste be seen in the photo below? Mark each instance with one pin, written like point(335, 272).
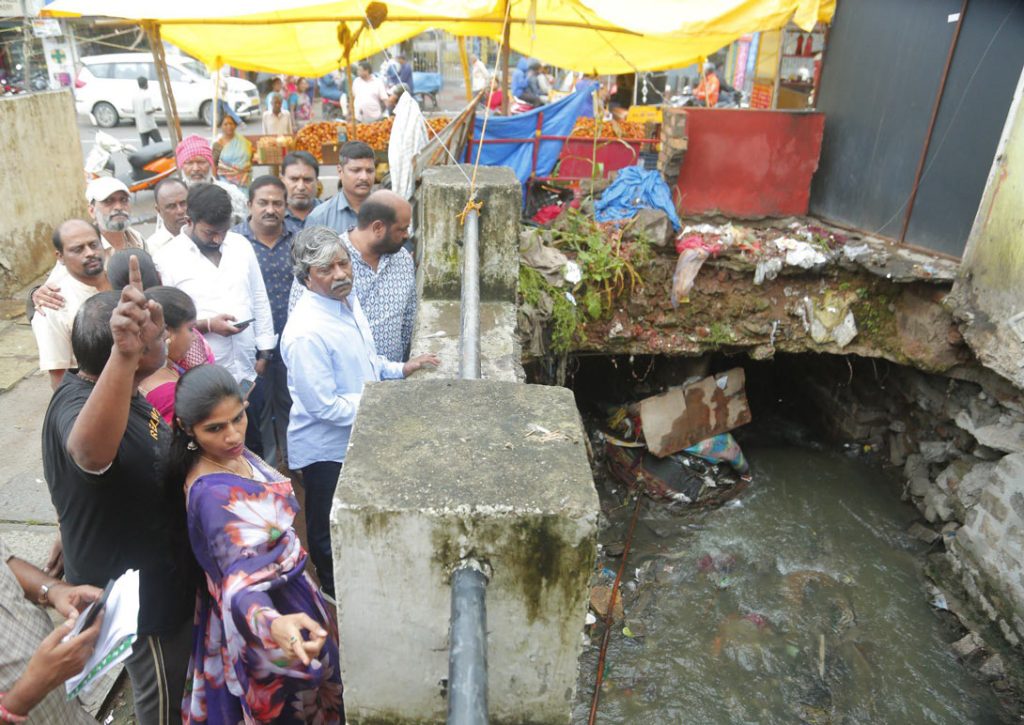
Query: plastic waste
point(687, 266)
point(572, 272)
point(767, 269)
point(800, 254)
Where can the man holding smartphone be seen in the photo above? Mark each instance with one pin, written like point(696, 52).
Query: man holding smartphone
point(34, 659)
point(219, 270)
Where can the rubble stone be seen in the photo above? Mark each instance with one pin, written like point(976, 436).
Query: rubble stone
point(968, 646)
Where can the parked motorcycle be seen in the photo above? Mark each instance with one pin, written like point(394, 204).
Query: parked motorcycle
point(149, 165)
point(334, 110)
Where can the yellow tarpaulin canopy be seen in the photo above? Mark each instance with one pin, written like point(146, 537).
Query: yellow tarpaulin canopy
point(594, 36)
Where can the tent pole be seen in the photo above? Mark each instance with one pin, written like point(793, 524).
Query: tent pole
point(504, 60)
point(167, 95)
point(465, 68)
point(351, 96)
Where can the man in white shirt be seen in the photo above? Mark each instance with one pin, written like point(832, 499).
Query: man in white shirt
point(479, 77)
point(145, 114)
point(277, 122)
point(78, 249)
point(371, 97)
point(110, 206)
point(171, 210)
point(219, 271)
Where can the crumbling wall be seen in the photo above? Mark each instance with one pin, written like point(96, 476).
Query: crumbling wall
point(41, 182)
point(959, 438)
point(989, 293)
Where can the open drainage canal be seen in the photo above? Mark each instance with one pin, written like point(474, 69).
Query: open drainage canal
point(800, 598)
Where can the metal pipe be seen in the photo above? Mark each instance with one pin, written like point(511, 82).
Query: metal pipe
point(469, 334)
point(467, 654)
point(931, 124)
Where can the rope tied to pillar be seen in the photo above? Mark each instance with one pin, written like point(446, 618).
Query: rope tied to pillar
point(471, 205)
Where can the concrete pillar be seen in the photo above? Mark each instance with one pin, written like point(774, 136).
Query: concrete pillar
point(442, 196)
point(438, 471)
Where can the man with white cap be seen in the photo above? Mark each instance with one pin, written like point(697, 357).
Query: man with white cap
point(110, 205)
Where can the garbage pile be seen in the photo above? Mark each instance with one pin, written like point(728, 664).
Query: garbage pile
point(677, 446)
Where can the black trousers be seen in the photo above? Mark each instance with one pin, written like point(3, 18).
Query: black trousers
point(153, 136)
point(319, 481)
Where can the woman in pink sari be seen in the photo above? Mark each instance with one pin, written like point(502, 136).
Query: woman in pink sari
point(186, 348)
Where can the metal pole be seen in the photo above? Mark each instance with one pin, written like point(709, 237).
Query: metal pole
point(27, 48)
point(467, 654)
point(469, 335)
point(931, 125)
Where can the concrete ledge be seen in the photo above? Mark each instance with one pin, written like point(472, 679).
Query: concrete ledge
point(437, 330)
point(442, 470)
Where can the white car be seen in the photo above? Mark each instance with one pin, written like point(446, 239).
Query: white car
point(106, 85)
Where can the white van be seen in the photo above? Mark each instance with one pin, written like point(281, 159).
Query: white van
point(106, 85)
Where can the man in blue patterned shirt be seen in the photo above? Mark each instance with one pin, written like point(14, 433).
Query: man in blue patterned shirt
point(383, 270)
point(271, 240)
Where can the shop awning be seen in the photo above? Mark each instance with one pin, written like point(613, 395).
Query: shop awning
point(593, 36)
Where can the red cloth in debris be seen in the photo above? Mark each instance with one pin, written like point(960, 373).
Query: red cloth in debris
point(547, 214)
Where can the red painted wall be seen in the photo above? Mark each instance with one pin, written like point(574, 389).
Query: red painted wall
point(747, 163)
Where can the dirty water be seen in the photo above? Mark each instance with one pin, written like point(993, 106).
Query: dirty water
point(800, 601)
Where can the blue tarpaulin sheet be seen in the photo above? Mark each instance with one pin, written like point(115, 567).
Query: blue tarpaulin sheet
point(635, 189)
point(559, 118)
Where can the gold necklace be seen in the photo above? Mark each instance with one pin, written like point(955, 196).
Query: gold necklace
point(229, 470)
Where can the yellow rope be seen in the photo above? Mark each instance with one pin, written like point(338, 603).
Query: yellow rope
point(471, 204)
point(487, 115)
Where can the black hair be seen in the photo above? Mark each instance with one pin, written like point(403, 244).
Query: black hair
point(169, 181)
point(266, 180)
point(354, 151)
point(177, 305)
point(365, 66)
point(372, 210)
point(300, 157)
point(117, 268)
point(57, 238)
point(143, 82)
point(198, 392)
point(209, 203)
point(91, 338)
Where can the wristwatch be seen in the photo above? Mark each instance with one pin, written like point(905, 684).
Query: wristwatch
point(267, 355)
point(44, 589)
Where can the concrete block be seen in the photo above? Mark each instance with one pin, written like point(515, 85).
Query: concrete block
point(438, 471)
point(443, 195)
point(437, 330)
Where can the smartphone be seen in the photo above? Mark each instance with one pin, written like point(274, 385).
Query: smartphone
point(86, 618)
point(243, 324)
point(245, 387)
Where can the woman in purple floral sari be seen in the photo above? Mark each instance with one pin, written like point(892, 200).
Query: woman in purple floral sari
point(265, 649)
